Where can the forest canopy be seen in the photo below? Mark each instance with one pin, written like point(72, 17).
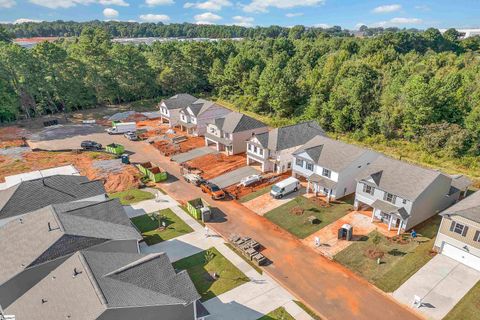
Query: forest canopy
point(417, 86)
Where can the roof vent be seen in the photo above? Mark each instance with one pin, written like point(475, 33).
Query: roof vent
point(76, 272)
point(49, 227)
point(21, 220)
point(44, 300)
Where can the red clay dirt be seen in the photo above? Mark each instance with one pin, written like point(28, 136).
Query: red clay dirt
point(214, 165)
point(240, 192)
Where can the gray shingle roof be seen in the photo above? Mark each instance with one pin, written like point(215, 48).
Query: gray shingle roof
point(468, 208)
point(331, 154)
point(238, 122)
point(181, 100)
point(200, 106)
point(290, 136)
point(31, 195)
point(400, 178)
point(131, 279)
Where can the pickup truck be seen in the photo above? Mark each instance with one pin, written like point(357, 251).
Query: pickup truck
point(194, 179)
point(213, 190)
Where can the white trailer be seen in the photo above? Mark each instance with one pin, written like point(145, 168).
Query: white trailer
point(122, 127)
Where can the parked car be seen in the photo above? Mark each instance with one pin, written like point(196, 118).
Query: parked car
point(250, 180)
point(213, 190)
point(132, 136)
point(194, 179)
point(90, 145)
point(284, 187)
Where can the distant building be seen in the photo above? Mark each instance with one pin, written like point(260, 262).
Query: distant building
point(465, 33)
point(170, 108)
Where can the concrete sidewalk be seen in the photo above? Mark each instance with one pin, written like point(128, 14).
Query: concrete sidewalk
point(249, 301)
point(163, 201)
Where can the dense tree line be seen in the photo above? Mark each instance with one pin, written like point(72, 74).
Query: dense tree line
point(123, 29)
point(423, 87)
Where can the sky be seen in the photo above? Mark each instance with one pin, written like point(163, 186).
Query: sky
point(348, 14)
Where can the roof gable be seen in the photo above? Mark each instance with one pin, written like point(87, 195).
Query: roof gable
point(293, 136)
point(181, 100)
point(468, 208)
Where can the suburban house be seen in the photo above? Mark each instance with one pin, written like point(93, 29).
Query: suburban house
point(459, 233)
point(330, 166)
point(231, 132)
point(170, 108)
point(12, 180)
point(31, 195)
point(111, 285)
point(273, 150)
point(36, 243)
point(195, 117)
point(403, 195)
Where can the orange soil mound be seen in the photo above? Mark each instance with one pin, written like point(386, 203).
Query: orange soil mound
point(213, 165)
point(127, 179)
point(11, 143)
point(271, 179)
point(13, 133)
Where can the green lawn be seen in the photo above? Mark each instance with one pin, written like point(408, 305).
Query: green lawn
point(255, 194)
point(468, 307)
point(200, 268)
point(307, 310)
point(148, 226)
point(277, 314)
point(131, 196)
point(298, 223)
point(400, 260)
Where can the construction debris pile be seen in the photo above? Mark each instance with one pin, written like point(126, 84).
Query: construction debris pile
point(214, 165)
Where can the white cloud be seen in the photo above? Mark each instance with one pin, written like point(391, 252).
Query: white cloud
point(213, 5)
point(154, 17)
point(7, 3)
point(395, 22)
point(54, 4)
point(24, 20)
point(387, 8)
point(263, 5)
point(110, 13)
point(153, 3)
point(120, 3)
point(422, 7)
point(321, 25)
point(293, 15)
point(207, 18)
point(243, 21)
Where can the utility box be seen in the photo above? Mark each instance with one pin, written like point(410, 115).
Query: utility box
point(114, 148)
point(199, 209)
point(345, 232)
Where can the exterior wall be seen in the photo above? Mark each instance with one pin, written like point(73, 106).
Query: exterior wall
point(443, 238)
point(240, 139)
point(444, 234)
point(284, 157)
point(212, 113)
point(379, 194)
point(346, 183)
point(217, 132)
point(172, 312)
point(433, 200)
point(12, 289)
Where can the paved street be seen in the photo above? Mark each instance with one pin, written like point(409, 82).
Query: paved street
point(330, 289)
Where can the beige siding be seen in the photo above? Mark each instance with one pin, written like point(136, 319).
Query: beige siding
point(472, 228)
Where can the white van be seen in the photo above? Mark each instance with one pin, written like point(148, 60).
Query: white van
point(284, 187)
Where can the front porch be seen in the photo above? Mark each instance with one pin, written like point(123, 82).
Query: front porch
point(385, 214)
point(319, 185)
point(219, 146)
point(189, 128)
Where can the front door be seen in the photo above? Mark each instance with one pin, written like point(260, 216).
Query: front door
point(384, 217)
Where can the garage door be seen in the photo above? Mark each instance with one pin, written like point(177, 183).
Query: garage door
point(462, 256)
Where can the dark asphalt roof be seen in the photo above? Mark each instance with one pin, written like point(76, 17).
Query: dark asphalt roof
point(134, 280)
point(31, 195)
point(237, 122)
point(181, 100)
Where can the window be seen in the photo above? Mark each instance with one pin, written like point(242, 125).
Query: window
point(309, 166)
point(326, 190)
point(255, 149)
point(299, 162)
point(212, 130)
point(326, 173)
point(368, 189)
point(260, 151)
point(289, 165)
point(249, 147)
point(404, 201)
point(389, 197)
point(477, 236)
point(459, 228)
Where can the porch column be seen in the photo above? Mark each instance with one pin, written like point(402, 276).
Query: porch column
point(390, 222)
point(308, 186)
point(373, 214)
point(399, 227)
point(218, 146)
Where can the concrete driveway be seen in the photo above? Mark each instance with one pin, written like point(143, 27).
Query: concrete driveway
point(234, 177)
point(441, 283)
point(192, 154)
point(266, 203)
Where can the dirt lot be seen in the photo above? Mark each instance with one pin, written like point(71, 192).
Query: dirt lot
point(115, 179)
point(12, 136)
point(213, 165)
point(268, 180)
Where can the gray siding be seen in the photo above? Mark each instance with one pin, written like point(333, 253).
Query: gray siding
point(175, 312)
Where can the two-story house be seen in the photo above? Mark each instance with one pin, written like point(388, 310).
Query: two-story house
point(403, 195)
point(331, 166)
point(459, 233)
point(195, 117)
point(273, 150)
point(230, 133)
point(170, 108)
